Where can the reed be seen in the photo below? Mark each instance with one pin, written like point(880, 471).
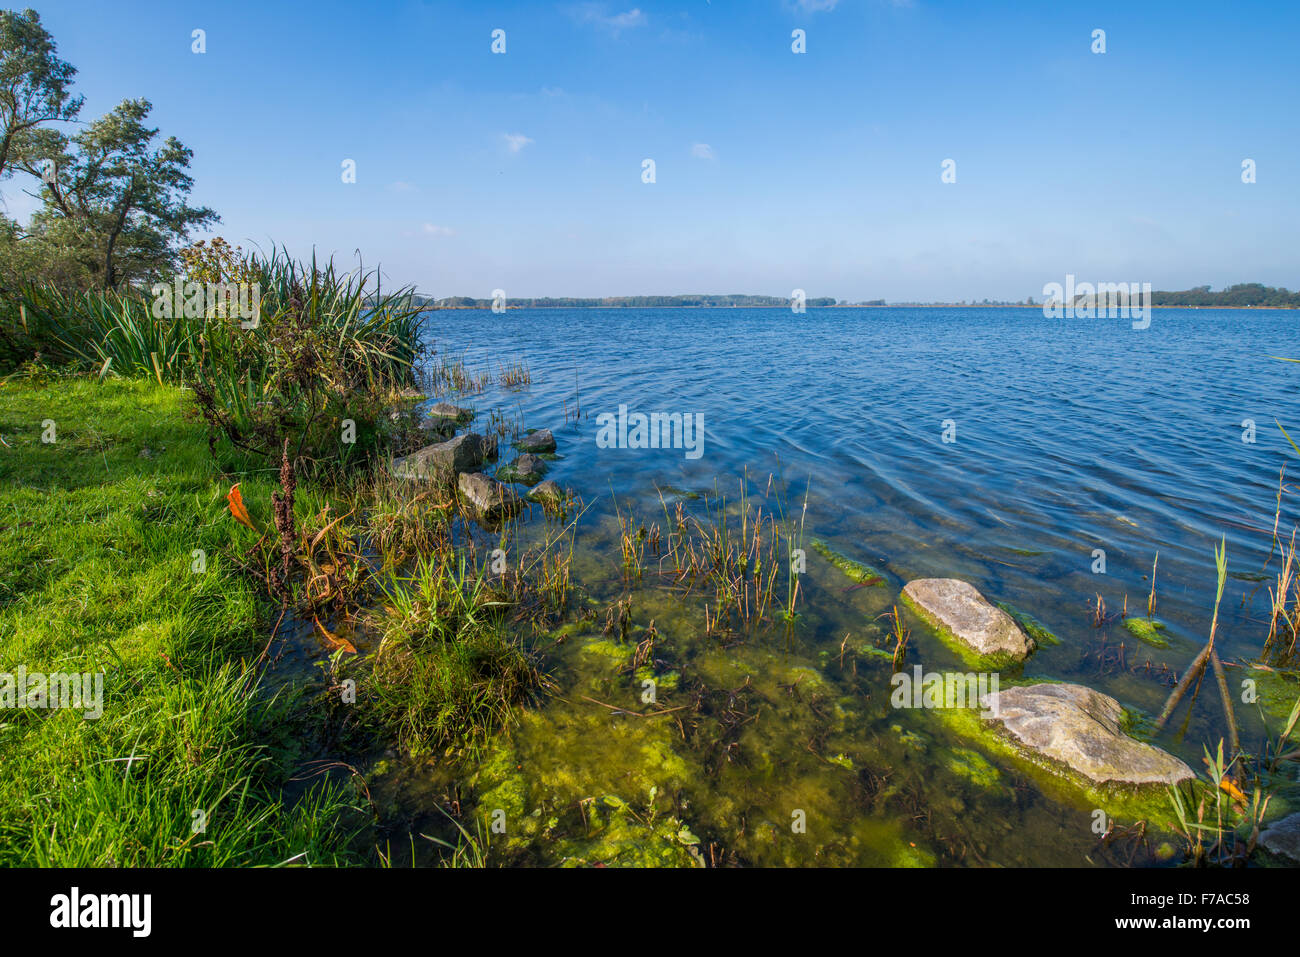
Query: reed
point(450, 376)
point(515, 375)
point(1280, 645)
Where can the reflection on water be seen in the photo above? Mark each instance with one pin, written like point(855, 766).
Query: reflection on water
point(1068, 439)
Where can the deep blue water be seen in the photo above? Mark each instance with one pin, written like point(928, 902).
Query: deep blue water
point(1071, 435)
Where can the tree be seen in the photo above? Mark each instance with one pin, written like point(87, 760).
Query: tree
point(111, 185)
point(34, 84)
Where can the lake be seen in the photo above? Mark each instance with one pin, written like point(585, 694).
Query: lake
point(1044, 461)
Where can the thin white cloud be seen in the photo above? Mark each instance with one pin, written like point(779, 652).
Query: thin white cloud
point(596, 14)
point(703, 151)
point(516, 141)
point(816, 6)
point(431, 230)
point(401, 186)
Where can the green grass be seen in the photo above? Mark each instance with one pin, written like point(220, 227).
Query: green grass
point(449, 673)
point(97, 544)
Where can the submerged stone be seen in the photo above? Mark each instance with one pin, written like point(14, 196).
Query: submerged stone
point(1082, 729)
point(858, 572)
point(548, 493)
point(539, 441)
point(528, 469)
point(1283, 837)
point(445, 410)
point(443, 459)
point(1146, 630)
point(444, 417)
point(960, 612)
point(488, 496)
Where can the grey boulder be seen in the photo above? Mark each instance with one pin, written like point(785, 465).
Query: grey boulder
point(443, 459)
point(540, 441)
point(1080, 728)
point(489, 497)
point(961, 611)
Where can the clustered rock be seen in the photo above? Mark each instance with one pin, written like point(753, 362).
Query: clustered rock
point(461, 458)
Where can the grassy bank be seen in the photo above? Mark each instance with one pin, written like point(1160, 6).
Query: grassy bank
point(98, 530)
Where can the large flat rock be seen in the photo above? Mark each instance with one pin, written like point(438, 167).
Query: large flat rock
point(1080, 728)
point(443, 459)
point(961, 611)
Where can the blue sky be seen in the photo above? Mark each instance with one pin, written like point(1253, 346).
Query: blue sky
point(774, 170)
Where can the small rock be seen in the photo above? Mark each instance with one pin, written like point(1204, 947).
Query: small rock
point(528, 469)
point(461, 454)
point(491, 499)
point(959, 609)
point(1080, 728)
point(445, 412)
point(1283, 837)
point(540, 441)
point(548, 493)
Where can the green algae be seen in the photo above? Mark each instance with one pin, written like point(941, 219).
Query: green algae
point(855, 571)
point(664, 681)
point(972, 766)
point(914, 740)
point(1276, 692)
point(585, 788)
point(1146, 630)
point(609, 648)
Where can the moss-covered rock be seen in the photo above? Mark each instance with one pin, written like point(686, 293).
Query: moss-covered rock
point(982, 635)
point(1146, 630)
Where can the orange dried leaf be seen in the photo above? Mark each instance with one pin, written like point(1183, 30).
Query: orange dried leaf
point(237, 509)
point(1230, 787)
point(335, 641)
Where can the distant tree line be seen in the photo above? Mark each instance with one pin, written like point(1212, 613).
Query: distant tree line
point(1242, 294)
point(630, 302)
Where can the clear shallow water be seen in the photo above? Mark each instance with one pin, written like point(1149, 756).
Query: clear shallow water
point(1071, 435)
